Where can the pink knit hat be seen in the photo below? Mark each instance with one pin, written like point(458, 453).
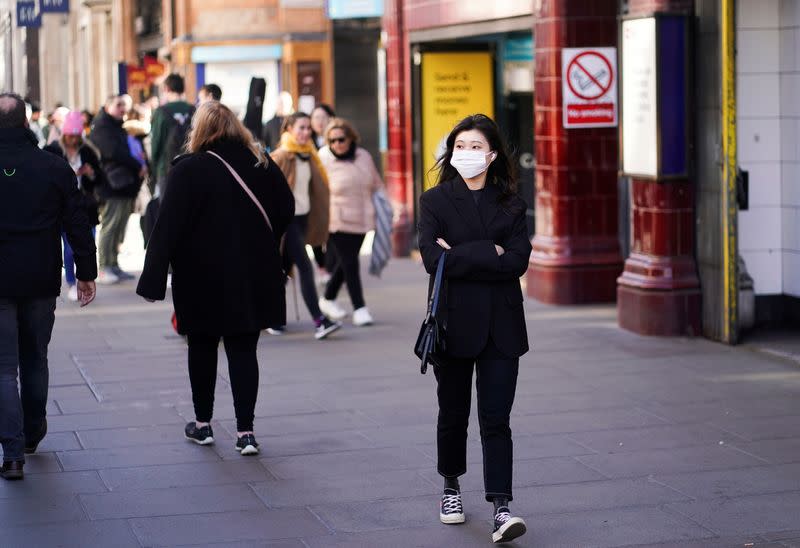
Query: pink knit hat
point(73, 124)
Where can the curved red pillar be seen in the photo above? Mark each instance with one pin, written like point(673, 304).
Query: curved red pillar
point(576, 256)
point(398, 161)
point(659, 292)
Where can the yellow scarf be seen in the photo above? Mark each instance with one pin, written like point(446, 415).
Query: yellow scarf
point(289, 143)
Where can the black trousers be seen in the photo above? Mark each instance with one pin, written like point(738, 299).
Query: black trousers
point(496, 383)
point(242, 368)
point(346, 270)
point(296, 250)
point(25, 329)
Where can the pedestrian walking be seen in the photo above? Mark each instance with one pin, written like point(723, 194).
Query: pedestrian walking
point(302, 167)
point(353, 180)
point(271, 132)
point(86, 165)
point(170, 128)
point(324, 257)
point(38, 198)
point(124, 176)
point(224, 212)
point(474, 220)
point(209, 92)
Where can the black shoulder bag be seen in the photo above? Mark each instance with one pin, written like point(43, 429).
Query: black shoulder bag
point(430, 346)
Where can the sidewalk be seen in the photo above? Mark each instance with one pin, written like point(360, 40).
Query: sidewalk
point(619, 439)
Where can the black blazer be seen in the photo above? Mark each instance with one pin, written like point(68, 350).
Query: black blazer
point(226, 267)
point(39, 198)
point(484, 297)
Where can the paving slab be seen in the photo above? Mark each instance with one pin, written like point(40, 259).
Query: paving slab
point(617, 438)
point(225, 527)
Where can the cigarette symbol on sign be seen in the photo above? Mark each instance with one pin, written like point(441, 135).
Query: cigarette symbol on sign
point(590, 75)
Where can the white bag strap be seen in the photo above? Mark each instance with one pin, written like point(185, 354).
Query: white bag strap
point(244, 187)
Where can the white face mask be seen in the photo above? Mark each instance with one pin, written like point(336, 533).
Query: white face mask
point(471, 163)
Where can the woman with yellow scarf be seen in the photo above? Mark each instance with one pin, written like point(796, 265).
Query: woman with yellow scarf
point(297, 158)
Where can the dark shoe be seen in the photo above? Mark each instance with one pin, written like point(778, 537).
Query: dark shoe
point(12, 470)
point(33, 443)
point(506, 526)
point(247, 445)
point(451, 510)
point(201, 436)
point(121, 274)
point(325, 328)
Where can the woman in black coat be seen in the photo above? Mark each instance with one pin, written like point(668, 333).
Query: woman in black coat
point(227, 280)
point(476, 220)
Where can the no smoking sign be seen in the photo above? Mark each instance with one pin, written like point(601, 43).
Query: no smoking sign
point(589, 77)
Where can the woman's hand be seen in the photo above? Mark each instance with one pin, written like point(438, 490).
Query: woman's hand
point(443, 244)
point(499, 249)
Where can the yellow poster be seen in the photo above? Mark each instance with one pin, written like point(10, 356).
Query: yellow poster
point(454, 85)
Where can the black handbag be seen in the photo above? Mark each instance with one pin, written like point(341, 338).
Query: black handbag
point(430, 346)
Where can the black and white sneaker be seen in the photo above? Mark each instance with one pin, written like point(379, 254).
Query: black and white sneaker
point(507, 527)
point(451, 510)
point(325, 328)
point(247, 445)
point(201, 436)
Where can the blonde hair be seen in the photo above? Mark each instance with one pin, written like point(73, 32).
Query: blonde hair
point(344, 125)
point(214, 122)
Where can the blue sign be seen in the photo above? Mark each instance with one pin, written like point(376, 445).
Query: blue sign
point(354, 9)
point(518, 49)
point(28, 14)
point(54, 6)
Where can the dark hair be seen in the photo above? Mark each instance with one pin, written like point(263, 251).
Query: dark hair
point(292, 119)
point(327, 108)
point(213, 90)
point(174, 83)
point(501, 171)
point(12, 115)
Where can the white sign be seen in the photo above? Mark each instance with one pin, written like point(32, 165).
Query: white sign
point(589, 86)
point(639, 107)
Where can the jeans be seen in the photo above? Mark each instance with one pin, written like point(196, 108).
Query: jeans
point(496, 383)
point(296, 249)
point(69, 260)
point(242, 368)
point(25, 329)
point(346, 270)
point(114, 215)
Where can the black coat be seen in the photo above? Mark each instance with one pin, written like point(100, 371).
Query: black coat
point(484, 297)
point(121, 168)
point(226, 266)
point(39, 197)
point(88, 186)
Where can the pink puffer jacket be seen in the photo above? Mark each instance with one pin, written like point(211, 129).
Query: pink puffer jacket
point(352, 183)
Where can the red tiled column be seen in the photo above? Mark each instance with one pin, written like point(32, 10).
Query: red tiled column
point(576, 256)
point(398, 161)
point(659, 292)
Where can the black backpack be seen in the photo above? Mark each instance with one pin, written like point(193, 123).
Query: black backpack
point(179, 126)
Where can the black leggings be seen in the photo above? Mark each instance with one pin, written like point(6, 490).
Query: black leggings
point(242, 368)
point(346, 269)
point(296, 249)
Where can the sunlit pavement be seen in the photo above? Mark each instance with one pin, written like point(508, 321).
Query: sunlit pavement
point(619, 439)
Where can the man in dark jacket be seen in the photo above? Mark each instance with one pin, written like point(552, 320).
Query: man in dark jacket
point(38, 197)
point(124, 176)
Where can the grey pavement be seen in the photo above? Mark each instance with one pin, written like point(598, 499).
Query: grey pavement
point(620, 440)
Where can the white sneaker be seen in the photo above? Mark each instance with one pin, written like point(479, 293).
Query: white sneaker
point(106, 277)
point(331, 309)
point(72, 294)
point(362, 317)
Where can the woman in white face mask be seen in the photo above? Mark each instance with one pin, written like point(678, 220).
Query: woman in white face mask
point(474, 218)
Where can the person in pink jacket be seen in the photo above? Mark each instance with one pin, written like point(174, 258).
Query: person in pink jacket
point(353, 179)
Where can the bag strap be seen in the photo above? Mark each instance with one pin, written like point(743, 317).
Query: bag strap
point(245, 188)
point(433, 304)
